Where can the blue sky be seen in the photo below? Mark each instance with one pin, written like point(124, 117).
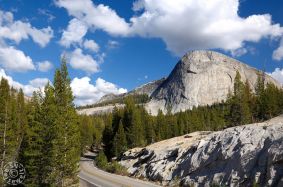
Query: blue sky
point(112, 47)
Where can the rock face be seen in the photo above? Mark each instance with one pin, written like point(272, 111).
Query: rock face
point(200, 78)
point(238, 156)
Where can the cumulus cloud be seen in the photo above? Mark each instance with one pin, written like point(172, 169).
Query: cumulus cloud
point(84, 62)
point(96, 17)
point(186, 24)
point(278, 53)
point(91, 45)
point(84, 91)
point(87, 93)
point(12, 58)
point(15, 60)
point(34, 85)
point(18, 30)
point(277, 74)
point(74, 33)
point(183, 24)
point(44, 66)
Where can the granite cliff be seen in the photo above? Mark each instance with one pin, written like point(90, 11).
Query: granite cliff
point(201, 78)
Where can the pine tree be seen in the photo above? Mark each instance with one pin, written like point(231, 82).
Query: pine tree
point(120, 141)
point(48, 117)
point(86, 133)
point(136, 129)
point(149, 128)
point(67, 134)
point(32, 144)
point(4, 97)
point(160, 121)
point(259, 92)
point(107, 139)
point(240, 112)
point(9, 128)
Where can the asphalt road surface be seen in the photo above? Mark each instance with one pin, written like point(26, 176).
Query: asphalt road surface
point(90, 176)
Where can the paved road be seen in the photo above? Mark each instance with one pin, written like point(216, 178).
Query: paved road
point(90, 176)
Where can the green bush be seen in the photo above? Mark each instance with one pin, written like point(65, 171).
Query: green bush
point(115, 167)
point(101, 161)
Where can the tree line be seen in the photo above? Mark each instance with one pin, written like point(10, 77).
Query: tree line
point(132, 126)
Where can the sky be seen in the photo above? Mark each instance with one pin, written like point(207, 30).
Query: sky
point(114, 46)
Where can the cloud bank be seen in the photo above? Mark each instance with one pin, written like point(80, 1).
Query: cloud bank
point(182, 24)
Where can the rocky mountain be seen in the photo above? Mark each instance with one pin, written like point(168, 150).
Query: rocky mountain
point(146, 89)
point(237, 156)
point(199, 78)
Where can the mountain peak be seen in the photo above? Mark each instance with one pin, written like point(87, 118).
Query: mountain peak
point(201, 77)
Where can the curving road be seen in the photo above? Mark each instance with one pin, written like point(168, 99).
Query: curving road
point(90, 176)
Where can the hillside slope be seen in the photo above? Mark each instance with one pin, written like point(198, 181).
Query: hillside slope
point(237, 156)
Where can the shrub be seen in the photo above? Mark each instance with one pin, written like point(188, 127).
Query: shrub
point(115, 167)
point(101, 160)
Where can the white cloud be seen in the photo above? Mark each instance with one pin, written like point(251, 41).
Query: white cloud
point(183, 24)
point(277, 74)
point(35, 85)
point(278, 53)
point(84, 62)
point(15, 60)
point(87, 93)
point(18, 30)
point(186, 24)
point(74, 33)
point(47, 13)
point(239, 52)
point(112, 44)
point(91, 45)
point(28, 89)
point(13, 83)
point(96, 17)
point(44, 66)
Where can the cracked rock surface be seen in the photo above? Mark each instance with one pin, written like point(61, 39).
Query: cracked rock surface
point(237, 156)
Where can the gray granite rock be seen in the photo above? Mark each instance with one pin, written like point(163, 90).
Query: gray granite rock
point(200, 78)
point(237, 156)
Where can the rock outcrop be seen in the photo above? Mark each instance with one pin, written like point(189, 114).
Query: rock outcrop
point(237, 156)
point(201, 78)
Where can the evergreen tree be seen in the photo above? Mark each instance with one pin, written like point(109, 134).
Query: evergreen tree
point(136, 133)
point(4, 98)
point(67, 133)
point(31, 155)
point(120, 141)
point(86, 133)
point(239, 104)
point(149, 129)
point(9, 129)
point(107, 139)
